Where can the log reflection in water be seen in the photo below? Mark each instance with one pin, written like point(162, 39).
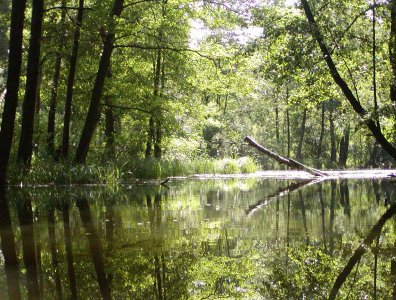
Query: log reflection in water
point(25, 216)
point(95, 248)
point(280, 192)
point(11, 263)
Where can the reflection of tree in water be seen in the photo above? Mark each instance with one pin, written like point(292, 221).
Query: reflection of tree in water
point(8, 250)
point(54, 251)
point(64, 207)
point(25, 216)
point(344, 197)
point(153, 251)
point(95, 248)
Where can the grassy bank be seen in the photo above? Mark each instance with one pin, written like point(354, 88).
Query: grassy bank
point(44, 171)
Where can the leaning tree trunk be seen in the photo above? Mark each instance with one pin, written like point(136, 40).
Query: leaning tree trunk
point(32, 80)
point(356, 105)
point(11, 96)
point(70, 80)
point(93, 115)
point(283, 160)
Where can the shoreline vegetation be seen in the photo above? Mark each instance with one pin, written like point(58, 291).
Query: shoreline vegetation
point(153, 171)
point(129, 172)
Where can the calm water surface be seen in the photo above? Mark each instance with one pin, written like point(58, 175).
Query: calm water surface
point(202, 239)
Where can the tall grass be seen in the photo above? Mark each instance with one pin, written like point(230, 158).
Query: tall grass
point(44, 171)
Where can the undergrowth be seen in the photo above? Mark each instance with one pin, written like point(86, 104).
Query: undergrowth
point(45, 171)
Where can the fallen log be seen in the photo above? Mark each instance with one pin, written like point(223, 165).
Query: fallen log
point(283, 160)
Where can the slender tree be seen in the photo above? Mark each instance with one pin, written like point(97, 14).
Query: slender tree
point(25, 148)
point(70, 80)
point(302, 134)
point(12, 86)
point(54, 88)
point(94, 109)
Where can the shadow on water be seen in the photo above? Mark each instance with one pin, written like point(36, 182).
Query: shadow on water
point(209, 239)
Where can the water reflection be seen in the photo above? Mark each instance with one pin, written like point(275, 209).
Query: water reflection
point(31, 249)
point(198, 239)
point(11, 264)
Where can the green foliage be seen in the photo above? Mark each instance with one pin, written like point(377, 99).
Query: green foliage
point(47, 172)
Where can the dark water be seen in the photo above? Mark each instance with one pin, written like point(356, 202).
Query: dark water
point(212, 239)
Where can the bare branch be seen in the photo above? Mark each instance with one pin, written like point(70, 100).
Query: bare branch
point(126, 107)
point(148, 47)
point(65, 7)
point(361, 14)
point(138, 2)
point(219, 3)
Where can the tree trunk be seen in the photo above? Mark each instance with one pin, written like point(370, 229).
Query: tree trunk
point(302, 133)
point(288, 123)
point(54, 92)
point(282, 160)
point(12, 86)
point(32, 79)
point(52, 106)
point(321, 135)
point(344, 145)
point(157, 96)
point(150, 137)
point(333, 148)
point(70, 80)
point(375, 69)
point(109, 129)
point(277, 124)
point(93, 115)
point(357, 107)
point(37, 107)
point(392, 51)
point(158, 138)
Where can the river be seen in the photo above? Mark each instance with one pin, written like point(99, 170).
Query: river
point(239, 238)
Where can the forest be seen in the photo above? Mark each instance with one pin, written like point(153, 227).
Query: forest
point(132, 144)
point(102, 90)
